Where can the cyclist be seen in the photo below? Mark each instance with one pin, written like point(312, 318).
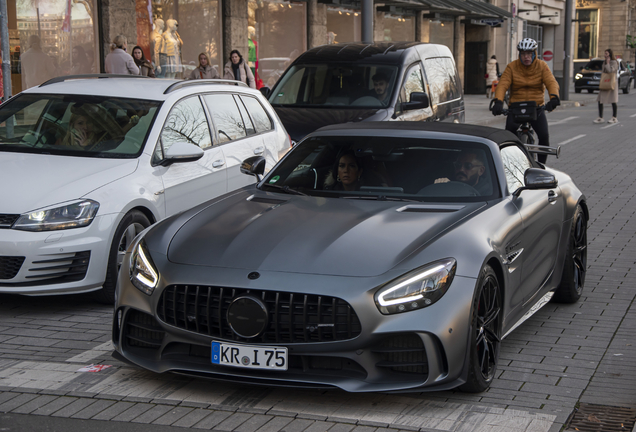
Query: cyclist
point(527, 79)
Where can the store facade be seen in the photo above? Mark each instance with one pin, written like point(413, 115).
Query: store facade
point(52, 38)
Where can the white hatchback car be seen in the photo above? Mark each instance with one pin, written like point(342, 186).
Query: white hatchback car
point(86, 164)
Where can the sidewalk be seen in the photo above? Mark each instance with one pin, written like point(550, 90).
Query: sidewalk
point(477, 111)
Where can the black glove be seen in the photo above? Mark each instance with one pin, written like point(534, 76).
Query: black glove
point(552, 103)
point(496, 107)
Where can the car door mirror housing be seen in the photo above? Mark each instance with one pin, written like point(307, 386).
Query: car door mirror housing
point(254, 165)
point(419, 100)
point(182, 152)
point(537, 178)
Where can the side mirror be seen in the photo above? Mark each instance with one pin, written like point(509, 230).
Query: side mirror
point(182, 152)
point(419, 100)
point(265, 91)
point(536, 178)
point(254, 165)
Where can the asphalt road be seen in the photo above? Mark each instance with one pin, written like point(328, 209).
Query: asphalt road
point(564, 356)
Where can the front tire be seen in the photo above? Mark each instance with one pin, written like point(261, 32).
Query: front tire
point(485, 333)
point(132, 224)
point(577, 90)
point(575, 265)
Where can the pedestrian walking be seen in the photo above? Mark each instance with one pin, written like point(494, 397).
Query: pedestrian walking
point(204, 70)
point(237, 69)
point(610, 95)
point(492, 74)
point(145, 67)
point(118, 61)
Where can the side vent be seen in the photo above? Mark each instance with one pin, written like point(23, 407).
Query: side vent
point(424, 208)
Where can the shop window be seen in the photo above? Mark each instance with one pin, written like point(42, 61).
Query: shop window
point(173, 33)
point(277, 35)
point(344, 25)
point(50, 40)
point(586, 34)
point(399, 28)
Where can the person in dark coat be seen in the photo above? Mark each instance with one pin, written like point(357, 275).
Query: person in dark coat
point(237, 69)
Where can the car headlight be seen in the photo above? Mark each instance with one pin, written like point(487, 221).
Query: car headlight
point(578, 76)
point(76, 215)
point(143, 274)
point(417, 289)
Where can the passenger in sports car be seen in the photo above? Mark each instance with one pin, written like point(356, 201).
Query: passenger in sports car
point(347, 171)
point(470, 168)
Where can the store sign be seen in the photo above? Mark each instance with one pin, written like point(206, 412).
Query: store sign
point(493, 22)
point(547, 55)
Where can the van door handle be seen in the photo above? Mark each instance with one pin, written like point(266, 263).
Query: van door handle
point(218, 163)
point(259, 150)
point(552, 196)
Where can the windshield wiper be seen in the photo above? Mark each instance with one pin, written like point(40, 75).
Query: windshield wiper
point(285, 189)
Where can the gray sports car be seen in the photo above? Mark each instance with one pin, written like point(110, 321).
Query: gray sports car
point(390, 256)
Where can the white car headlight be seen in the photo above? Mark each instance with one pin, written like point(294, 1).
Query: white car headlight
point(143, 274)
point(417, 289)
point(578, 76)
point(75, 215)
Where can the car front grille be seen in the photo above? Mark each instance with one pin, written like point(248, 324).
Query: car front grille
point(142, 330)
point(7, 220)
point(53, 269)
point(402, 353)
point(10, 266)
point(293, 317)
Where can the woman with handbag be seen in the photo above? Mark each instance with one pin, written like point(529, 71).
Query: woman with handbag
point(608, 88)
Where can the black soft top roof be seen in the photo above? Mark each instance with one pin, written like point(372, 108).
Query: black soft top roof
point(498, 136)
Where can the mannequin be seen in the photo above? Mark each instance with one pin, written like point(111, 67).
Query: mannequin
point(170, 51)
point(252, 54)
point(155, 42)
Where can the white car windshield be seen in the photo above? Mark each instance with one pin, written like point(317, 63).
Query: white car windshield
point(76, 125)
point(336, 85)
point(386, 168)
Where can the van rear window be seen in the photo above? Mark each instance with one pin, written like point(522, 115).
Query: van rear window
point(442, 79)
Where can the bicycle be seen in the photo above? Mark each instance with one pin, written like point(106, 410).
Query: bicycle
point(524, 113)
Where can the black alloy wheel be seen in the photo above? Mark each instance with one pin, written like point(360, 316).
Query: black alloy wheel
point(575, 264)
point(485, 333)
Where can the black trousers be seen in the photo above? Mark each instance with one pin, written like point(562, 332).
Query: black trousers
point(540, 126)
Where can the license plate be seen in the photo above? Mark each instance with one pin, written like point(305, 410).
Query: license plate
point(593, 82)
point(249, 356)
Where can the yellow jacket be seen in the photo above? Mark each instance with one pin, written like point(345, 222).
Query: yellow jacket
point(527, 83)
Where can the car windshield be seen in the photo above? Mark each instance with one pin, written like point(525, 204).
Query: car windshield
point(594, 65)
point(88, 126)
point(335, 85)
point(386, 168)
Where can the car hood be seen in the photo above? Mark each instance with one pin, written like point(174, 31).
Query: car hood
point(311, 235)
point(33, 181)
point(300, 122)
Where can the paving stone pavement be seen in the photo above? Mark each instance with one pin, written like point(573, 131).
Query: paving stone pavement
point(563, 355)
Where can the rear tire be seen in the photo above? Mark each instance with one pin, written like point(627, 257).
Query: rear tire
point(575, 264)
point(132, 224)
point(485, 333)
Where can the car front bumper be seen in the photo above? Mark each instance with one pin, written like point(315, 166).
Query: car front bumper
point(55, 262)
point(425, 349)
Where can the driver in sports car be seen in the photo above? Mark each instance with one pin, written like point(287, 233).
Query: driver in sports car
point(470, 169)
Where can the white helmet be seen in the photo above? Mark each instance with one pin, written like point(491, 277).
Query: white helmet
point(527, 44)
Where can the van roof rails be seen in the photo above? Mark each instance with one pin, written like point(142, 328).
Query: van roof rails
point(86, 76)
point(182, 84)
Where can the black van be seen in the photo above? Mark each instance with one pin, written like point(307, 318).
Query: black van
point(340, 83)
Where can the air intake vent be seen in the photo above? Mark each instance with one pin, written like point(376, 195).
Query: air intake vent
point(10, 266)
point(403, 353)
point(265, 200)
point(142, 330)
point(7, 220)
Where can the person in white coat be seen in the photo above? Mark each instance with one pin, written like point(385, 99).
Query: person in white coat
point(492, 74)
point(119, 61)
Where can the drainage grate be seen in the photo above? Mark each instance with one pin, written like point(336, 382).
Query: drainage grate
point(601, 418)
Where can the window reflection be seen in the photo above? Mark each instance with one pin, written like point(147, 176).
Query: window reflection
point(262, 122)
point(586, 37)
point(515, 165)
point(442, 79)
point(226, 117)
point(186, 123)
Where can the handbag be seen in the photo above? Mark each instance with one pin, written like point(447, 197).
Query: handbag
point(523, 111)
point(608, 81)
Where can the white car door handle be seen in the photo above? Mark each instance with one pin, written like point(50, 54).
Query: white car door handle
point(217, 164)
point(552, 196)
point(259, 150)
